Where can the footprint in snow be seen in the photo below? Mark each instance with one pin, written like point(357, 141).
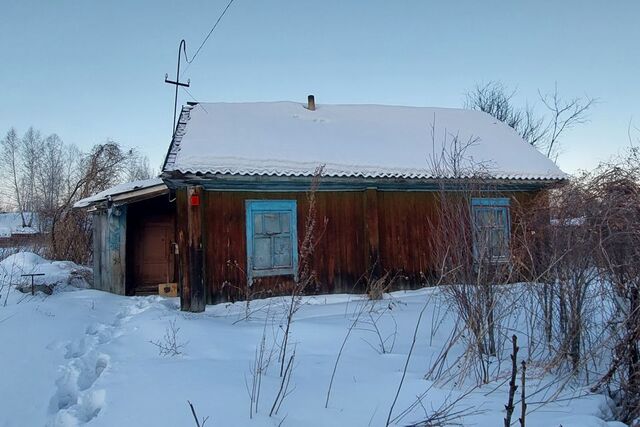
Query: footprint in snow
point(76, 377)
point(78, 348)
point(76, 401)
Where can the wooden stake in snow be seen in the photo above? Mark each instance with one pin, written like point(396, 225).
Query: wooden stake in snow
point(523, 402)
point(33, 289)
point(512, 383)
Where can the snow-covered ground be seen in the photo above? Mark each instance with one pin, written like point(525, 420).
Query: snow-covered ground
point(85, 357)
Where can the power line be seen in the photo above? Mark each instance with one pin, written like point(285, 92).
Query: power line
point(198, 103)
point(208, 35)
point(182, 48)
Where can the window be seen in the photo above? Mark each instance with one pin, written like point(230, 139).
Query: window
point(272, 243)
point(491, 224)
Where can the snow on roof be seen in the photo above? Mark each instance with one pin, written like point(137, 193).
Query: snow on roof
point(119, 189)
point(11, 223)
point(25, 230)
point(286, 139)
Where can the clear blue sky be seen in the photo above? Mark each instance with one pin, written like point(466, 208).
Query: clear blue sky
point(91, 70)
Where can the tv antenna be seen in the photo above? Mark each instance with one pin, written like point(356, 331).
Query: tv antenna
point(177, 83)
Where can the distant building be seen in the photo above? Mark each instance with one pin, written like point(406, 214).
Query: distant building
point(13, 234)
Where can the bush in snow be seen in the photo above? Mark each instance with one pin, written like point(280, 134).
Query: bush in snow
point(170, 344)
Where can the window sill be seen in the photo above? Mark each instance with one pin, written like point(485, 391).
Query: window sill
point(272, 272)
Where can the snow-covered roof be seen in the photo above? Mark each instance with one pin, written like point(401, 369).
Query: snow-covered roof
point(370, 141)
point(123, 191)
point(11, 223)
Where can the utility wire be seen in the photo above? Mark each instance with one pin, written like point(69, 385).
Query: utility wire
point(208, 35)
point(198, 103)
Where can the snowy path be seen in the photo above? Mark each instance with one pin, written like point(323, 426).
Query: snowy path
point(77, 399)
point(84, 358)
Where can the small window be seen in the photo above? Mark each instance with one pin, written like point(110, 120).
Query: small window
point(272, 243)
point(491, 225)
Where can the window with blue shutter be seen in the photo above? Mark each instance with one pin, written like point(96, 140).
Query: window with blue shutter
point(492, 228)
point(272, 243)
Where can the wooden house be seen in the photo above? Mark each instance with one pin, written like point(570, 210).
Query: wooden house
point(14, 234)
point(233, 202)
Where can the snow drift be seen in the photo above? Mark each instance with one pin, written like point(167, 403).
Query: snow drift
point(56, 275)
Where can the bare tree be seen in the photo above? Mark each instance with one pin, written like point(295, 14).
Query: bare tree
point(10, 159)
point(70, 230)
point(495, 99)
point(44, 178)
point(50, 178)
point(137, 167)
point(617, 224)
point(471, 260)
point(31, 150)
point(565, 114)
point(542, 132)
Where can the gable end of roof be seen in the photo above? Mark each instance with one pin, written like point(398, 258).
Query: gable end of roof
point(181, 128)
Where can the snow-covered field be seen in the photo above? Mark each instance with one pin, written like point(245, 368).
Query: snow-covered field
point(85, 357)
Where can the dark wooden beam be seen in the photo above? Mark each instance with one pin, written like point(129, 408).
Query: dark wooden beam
point(197, 295)
point(372, 233)
point(182, 225)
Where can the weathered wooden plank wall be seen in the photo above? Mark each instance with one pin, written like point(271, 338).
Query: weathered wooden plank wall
point(364, 231)
point(109, 256)
point(339, 259)
point(404, 234)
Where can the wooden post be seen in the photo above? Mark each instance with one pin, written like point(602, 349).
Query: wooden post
point(183, 254)
point(195, 249)
point(372, 233)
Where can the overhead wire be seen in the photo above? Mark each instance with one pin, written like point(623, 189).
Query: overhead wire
point(198, 103)
point(190, 61)
point(215, 25)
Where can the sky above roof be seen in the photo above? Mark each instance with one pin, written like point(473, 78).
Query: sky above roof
point(89, 71)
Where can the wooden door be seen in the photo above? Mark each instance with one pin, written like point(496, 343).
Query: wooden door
point(154, 257)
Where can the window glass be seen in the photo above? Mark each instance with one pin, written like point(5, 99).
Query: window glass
point(271, 223)
point(261, 252)
point(285, 222)
point(282, 252)
point(257, 223)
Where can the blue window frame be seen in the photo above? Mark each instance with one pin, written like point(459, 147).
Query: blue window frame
point(272, 238)
point(492, 229)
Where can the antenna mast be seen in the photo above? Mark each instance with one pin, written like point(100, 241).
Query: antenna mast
point(181, 48)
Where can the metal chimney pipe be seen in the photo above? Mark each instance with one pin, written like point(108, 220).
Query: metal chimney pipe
point(311, 103)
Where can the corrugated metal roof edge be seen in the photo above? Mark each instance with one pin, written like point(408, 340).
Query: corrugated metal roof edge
point(399, 175)
point(88, 201)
